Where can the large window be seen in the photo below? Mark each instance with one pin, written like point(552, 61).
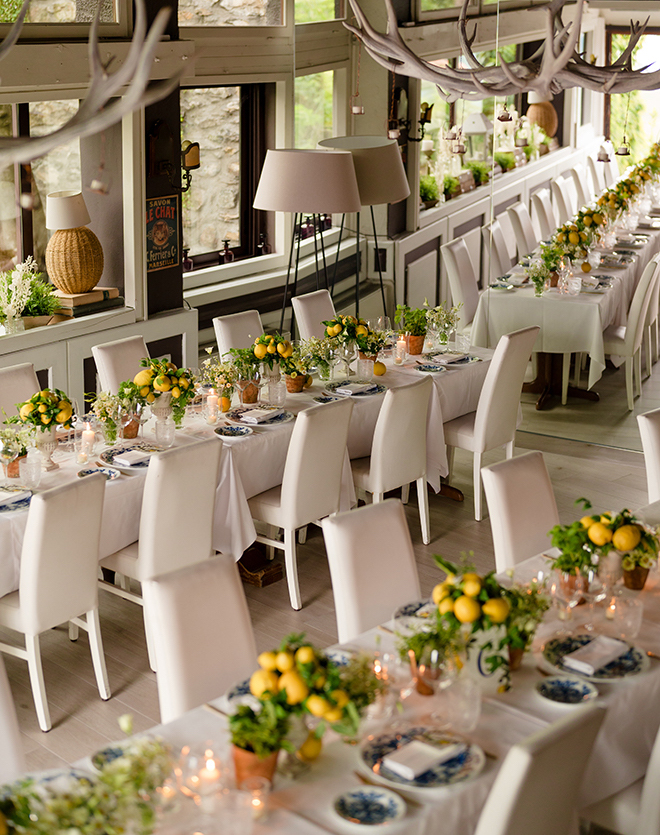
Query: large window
point(313, 11)
point(62, 11)
point(313, 108)
point(236, 13)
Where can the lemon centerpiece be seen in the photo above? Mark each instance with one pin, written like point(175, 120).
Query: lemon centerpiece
point(46, 410)
point(162, 385)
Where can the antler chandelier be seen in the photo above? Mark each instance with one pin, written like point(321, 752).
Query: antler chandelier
point(554, 67)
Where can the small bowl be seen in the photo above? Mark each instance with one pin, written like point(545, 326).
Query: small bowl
point(233, 431)
point(370, 806)
point(566, 690)
point(109, 472)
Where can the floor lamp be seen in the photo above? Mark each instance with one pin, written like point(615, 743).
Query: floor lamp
point(307, 182)
point(381, 179)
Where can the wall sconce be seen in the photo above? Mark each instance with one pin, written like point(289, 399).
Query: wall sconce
point(190, 157)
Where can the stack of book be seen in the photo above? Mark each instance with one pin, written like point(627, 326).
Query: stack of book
point(74, 305)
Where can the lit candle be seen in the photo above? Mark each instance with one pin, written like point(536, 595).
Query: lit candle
point(610, 611)
point(212, 407)
point(209, 775)
point(87, 446)
point(258, 787)
point(400, 350)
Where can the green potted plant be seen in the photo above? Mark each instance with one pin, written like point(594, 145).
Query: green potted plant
point(429, 193)
point(296, 371)
point(479, 170)
point(257, 738)
point(527, 605)
point(25, 295)
point(505, 160)
point(412, 320)
point(450, 186)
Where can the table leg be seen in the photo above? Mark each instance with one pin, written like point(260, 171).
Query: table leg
point(548, 381)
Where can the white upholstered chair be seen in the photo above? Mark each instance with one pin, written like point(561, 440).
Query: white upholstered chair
point(521, 506)
point(202, 634)
point(649, 429)
point(563, 196)
point(523, 229)
point(500, 260)
point(582, 189)
point(493, 424)
point(372, 565)
point(626, 340)
point(58, 584)
point(12, 761)
point(596, 171)
point(17, 384)
point(651, 328)
point(634, 810)
point(118, 361)
point(611, 171)
point(311, 484)
point(463, 281)
point(237, 330)
point(536, 789)
point(311, 310)
point(180, 485)
point(398, 449)
point(545, 213)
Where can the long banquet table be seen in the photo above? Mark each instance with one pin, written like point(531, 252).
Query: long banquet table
point(256, 463)
point(620, 755)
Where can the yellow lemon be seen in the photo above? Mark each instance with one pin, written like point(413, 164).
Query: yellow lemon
point(599, 534)
point(606, 518)
point(162, 383)
point(262, 682)
point(285, 661)
point(143, 378)
point(151, 397)
point(176, 393)
point(225, 403)
point(183, 382)
point(626, 537)
point(310, 749)
point(333, 715)
point(561, 237)
point(45, 420)
point(305, 655)
point(337, 329)
point(320, 682)
point(587, 521)
point(330, 330)
point(289, 352)
point(295, 688)
point(583, 236)
point(308, 381)
point(471, 587)
point(587, 220)
point(317, 705)
point(586, 267)
point(379, 368)
point(441, 591)
point(497, 609)
point(446, 606)
point(42, 408)
point(267, 661)
point(573, 238)
point(340, 697)
point(260, 351)
point(271, 348)
point(144, 391)
point(466, 609)
point(25, 410)
point(171, 367)
point(63, 415)
point(281, 348)
point(361, 330)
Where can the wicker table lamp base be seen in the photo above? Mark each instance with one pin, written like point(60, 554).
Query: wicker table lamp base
point(74, 260)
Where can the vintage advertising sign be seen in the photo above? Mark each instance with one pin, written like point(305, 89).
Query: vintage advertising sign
point(162, 232)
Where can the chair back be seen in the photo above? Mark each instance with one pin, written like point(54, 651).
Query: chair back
point(202, 634)
point(12, 761)
point(237, 330)
point(583, 192)
point(176, 523)
point(640, 305)
point(500, 260)
point(563, 203)
point(649, 807)
point(596, 171)
point(523, 228)
point(313, 470)
point(654, 304)
point(310, 310)
point(462, 277)
point(649, 429)
point(536, 789)
point(398, 449)
point(118, 361)
point(497, 410)
point(17, 384)
point(611, 171)
point(60, 554)
point(545, 213)
point(372, 565)
point(522, 508)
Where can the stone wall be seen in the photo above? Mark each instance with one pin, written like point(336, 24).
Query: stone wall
point(230, 12)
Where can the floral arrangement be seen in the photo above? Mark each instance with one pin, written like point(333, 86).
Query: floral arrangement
point(295, 363)
point(220, 375)
point(121, 798)
point(294, 680)
point(271, 349)
point(23, 292)
point(573, 241)
point(319, 353)
point(47, 408)
point(23, 436)
point(527, 605)
point(107, 407)
point(345, 328)
point(411, 319)
point(158, 377)
point(245, 363)
point(442, 319)
point(371, 342)
point(538, 273)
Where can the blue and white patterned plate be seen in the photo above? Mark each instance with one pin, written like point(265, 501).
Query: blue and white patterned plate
point(233, 431)
point(370, 806)
point(107, 755)
point(109, 473)
point(378, 388)
point(19, 504)
point(566, 691)
point(634, 661)
point(428, 368)
point(325, 398)
point(108, 455)
point(234, 416)
point(464, 766)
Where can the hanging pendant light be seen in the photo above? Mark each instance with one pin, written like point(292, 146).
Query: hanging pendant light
point(504, 115)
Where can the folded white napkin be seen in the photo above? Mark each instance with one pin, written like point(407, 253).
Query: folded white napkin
point(260, 415)
point(416, 757)
point(594, 655)
point(13, 496)
point(354, 388)
point(450, 358)
point(588, 281)
point(131, 457)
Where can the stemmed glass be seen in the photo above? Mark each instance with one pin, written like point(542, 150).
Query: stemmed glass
point(594, 590)
point(126, 417)
point(9, 449)
point(567, 590)
point(244, 381)
point(347, 354)
point(142, 415)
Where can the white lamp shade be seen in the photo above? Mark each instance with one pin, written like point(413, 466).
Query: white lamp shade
point(379, 168)
point(66, 210)
point(536, 98)
point(476, 124)
point(308, 181)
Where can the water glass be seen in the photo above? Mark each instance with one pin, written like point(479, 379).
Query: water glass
point(165, 429)
point(30, 471)
point(259, 788)
point(628, 614)
point(234, 812)
point(462, 342)
point(463, 704)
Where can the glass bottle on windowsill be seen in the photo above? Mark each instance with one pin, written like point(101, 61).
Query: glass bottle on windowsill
point(187, 262)
point(263, 247)
point(226, 256)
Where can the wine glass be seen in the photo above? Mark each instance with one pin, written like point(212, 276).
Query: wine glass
point(9, 449)
point(566, 590)
point(126, 417)
point(142, 415)
point(347, 354)
point(244, 381)
point(594, 590)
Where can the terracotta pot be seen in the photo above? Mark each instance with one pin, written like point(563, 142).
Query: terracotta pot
point(554, 279)
point(13, 469)
point(295, 384)
point(416, 344)
point(515, 657)
point(131, 429)
point(251, 393)
point(363, 356)
point(636, 578)
point(421, 686)
point(247, 764)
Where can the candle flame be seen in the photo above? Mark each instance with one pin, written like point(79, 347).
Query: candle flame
point(210, 764)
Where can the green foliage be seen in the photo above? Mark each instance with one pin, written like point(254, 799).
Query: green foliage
point(42, 302)
point(527, 604)
point(264, 732)
point(479, 169)
point(244, 361)
point(450, 186)
point(311, 11)
point(428, 188)
point(438, 634)
point(411, 319)
point(505, 160)
point(313, 108)
point(9, 10)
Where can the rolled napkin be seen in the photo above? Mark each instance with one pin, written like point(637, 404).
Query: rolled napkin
point(354, 388)
point(595, 655)
point(417, 757)
point(131, 457)
point(260, 415)
point(9, 497)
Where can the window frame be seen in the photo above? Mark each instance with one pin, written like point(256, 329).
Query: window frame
point(123, 28)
